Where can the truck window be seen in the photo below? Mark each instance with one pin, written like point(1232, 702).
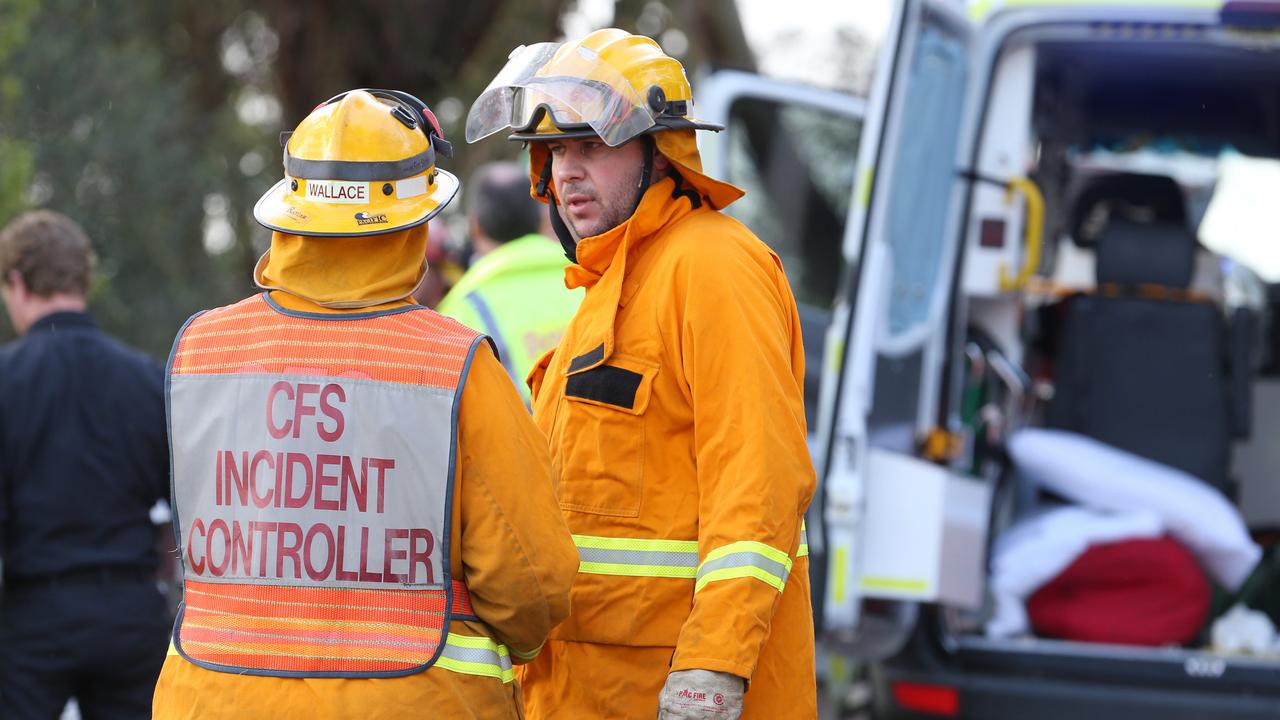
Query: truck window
point(921, 185)
point(796, 163)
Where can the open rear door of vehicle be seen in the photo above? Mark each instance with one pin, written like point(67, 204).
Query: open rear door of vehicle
point(793, 148)
point(900, 525)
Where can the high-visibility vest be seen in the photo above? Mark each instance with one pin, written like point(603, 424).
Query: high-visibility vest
point(515, 294)
point(313, 464)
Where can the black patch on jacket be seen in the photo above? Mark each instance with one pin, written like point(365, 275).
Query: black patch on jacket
point(587, 359)
point(606, 384)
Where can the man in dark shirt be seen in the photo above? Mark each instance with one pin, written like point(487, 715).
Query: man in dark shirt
point(83, 458)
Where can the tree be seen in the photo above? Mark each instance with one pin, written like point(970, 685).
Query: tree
point(155, 124)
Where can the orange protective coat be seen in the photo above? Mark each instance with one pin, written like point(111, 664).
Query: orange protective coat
point(705, 442)
point(509, 545)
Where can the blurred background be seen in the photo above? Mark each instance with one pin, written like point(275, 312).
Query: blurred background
point(156, 124)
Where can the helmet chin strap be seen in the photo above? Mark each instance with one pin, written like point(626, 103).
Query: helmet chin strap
point(565, 233)
point(646, 174)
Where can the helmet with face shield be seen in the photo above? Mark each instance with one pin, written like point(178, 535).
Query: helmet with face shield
point(610, 84)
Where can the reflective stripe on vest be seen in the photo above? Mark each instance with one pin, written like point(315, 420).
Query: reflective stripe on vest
point(804, 541)
point(313, 460)
point(491, 328)
point(469, 655)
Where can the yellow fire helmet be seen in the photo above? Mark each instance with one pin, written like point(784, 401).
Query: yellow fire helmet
point(610, 84)
point(362, 163)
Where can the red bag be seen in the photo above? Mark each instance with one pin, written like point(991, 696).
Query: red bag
point(1134, 592)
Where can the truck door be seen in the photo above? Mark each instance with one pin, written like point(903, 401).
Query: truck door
point(793, 149)
point(901, 526)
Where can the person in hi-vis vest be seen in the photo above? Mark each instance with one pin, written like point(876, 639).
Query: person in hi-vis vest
point(514, 290)
point(364, 509)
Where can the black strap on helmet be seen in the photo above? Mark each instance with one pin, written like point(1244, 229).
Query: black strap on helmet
point(418, 115)
point(544, 178)
point(562, 231)
point(646, 174)
point(411, 112)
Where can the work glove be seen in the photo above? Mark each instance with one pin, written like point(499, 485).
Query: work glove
point(701, 695)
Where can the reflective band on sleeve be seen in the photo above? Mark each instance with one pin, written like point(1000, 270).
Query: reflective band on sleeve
point(637, 558)
point(473, 655)
point(804, 542)
point(745, 558)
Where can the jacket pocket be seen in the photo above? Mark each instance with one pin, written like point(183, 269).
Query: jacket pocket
point(602, 440)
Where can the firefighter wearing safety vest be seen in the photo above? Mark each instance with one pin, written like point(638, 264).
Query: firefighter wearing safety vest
point(673, 404)
point(364, 510)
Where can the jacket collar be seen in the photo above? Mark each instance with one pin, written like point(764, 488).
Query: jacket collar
point(598, 254)
point(62, 320)
point(602, 269)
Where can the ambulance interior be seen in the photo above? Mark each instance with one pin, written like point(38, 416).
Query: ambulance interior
point(1119, 371)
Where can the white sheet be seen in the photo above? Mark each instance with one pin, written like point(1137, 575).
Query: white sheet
point(1037, 549)
point(1102, 477)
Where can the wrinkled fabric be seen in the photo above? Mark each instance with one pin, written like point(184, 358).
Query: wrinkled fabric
point(704, 443)
point(700, 695)
point(362, 271)
point(508, 543)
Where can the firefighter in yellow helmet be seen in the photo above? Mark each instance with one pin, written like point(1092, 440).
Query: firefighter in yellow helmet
point(364, 510)
point(673, 405)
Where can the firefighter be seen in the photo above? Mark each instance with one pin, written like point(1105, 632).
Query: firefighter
point(363, 508)
point(673, 404)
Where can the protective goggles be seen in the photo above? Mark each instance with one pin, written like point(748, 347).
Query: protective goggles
point(574, 88)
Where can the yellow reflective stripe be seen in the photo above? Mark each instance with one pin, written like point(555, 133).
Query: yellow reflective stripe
point(804, 541)
point(608, 543)
point(904, 584)
point(476, 641)
point(745, 558)
point(738, 572)
point(980, 10)
point(474, 655)
point(839, 564)
point(633, 557)
point(749, 546)
point(663, 571)
point(172, 649)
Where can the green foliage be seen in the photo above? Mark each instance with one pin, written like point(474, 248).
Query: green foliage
point(113, 135)
point(15, 155)
point(130, 118)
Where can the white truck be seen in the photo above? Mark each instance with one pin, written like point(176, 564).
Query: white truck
point(932, 232)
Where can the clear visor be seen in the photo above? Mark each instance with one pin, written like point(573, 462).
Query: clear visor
point(575, 88)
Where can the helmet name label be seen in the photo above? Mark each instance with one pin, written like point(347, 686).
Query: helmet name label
point(338, 191)
point(413, 187)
